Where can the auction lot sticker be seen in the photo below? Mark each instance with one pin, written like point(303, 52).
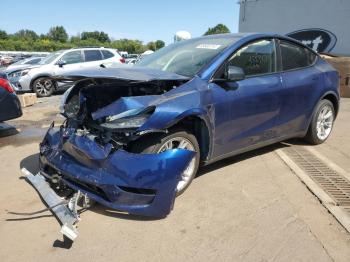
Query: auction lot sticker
point(208, 46)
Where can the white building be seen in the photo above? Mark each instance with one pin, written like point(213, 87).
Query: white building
point(324, 25)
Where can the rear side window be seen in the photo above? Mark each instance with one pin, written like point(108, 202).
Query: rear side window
point(107, 54)
point(72, 57)
point(92, 55)
point(294, 56)
point(257, 58)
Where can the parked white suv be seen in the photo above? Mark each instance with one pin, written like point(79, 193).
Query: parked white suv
point(37, 78)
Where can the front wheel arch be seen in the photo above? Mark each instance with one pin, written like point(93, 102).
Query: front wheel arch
point(199, 127)
point(152, 143)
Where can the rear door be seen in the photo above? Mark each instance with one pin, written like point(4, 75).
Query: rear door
point(300, 82)
point(93, 58)
point(246, 111)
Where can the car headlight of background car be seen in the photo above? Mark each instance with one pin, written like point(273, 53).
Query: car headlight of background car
point(19, 73)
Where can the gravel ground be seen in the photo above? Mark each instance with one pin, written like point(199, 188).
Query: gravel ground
point(245, 208)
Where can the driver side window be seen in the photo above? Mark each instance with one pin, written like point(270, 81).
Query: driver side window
point(72, 57)
point(257, 58)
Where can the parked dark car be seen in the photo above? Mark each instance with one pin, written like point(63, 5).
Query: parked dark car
point(10, 107)
point(134, 137)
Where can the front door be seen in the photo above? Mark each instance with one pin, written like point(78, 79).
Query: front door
point(246, 111)
point(70, 61)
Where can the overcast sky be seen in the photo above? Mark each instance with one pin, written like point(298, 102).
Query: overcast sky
point(144, 20)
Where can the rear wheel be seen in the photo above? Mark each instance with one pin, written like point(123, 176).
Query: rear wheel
point(322, 123)
point(43, 87)
point(176, 139)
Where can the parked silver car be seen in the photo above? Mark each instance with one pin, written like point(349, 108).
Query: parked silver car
point(14, 71)
point(21, 64)
point(37, 78)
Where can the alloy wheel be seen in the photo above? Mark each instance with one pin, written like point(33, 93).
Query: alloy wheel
point(183, 143)
point(43, 87)
point(324, 122)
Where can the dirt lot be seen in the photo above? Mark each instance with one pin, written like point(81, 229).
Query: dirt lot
point(246, 208)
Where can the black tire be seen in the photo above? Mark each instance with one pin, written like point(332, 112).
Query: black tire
point(311, 136)
point(46, 90)
point(152, 144)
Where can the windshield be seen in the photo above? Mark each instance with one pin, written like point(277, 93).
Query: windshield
point(187, 57)
point(50, 58)
point(20, 62)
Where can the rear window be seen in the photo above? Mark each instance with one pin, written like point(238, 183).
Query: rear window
point(92, 55)
point(294, 56)
point(107, 54)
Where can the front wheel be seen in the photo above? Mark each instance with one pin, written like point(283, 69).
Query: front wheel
point(43, 87)
point(321, 123)
point(176, 139)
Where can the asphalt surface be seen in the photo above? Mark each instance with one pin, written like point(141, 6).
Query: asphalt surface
point(245, 208)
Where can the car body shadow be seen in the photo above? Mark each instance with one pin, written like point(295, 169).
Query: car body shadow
point(240, 157)
point(7, 130)
point(31, 163)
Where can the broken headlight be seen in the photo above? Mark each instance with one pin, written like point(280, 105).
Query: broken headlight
point(126, 123)
point(130, 119)
point(72, 107)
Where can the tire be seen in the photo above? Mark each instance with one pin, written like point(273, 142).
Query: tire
point(321, 123)
point(156, 144)
point(43, 87)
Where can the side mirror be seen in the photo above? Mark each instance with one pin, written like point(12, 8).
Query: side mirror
point(234, 73)
point(61, 63)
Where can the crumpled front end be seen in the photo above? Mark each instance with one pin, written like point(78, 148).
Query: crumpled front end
point(142, 184)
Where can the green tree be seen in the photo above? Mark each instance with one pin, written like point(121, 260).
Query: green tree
point(129, 45)
point(3, 34)
point(97, 35)
point(218, 29)
point(75, 38)
point(159, 44)
point(56, 39)
point(151, 46)
point(58, 33)
point(26, 35)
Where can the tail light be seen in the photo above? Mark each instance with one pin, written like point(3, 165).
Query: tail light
point(122, 60)
point(4, 83)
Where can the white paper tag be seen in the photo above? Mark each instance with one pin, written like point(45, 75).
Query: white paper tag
point(208, 46)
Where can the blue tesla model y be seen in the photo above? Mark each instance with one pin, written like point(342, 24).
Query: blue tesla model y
point(134, 137)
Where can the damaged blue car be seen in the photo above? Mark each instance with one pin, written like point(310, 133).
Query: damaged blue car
point(134, 137)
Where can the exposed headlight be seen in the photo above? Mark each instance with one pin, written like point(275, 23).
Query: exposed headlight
point(64, 99)
point(126, 123)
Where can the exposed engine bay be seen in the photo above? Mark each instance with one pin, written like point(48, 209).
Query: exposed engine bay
point(111, 110)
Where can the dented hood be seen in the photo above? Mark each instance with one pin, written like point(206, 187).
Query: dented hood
point(131, 73)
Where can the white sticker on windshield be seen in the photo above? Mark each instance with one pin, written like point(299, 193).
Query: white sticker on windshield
point(208, 46)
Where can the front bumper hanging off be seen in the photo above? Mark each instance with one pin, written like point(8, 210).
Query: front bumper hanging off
point(141, 184)
point(66, 217)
